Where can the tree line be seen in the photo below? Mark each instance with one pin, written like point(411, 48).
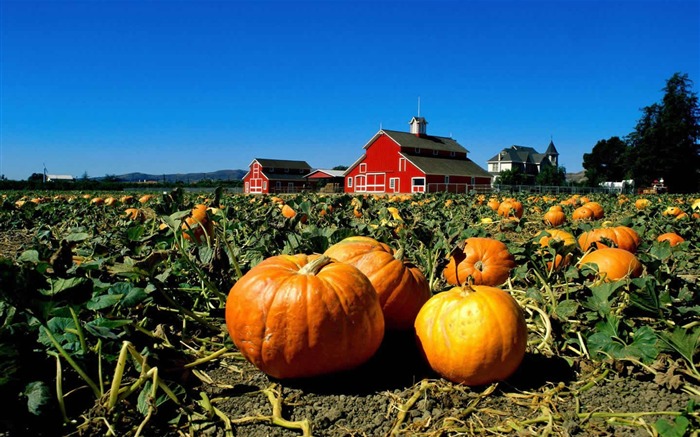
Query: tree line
point(664, 144)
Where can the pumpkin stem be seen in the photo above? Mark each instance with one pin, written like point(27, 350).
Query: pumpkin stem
point(314, 266)
point(398, 255)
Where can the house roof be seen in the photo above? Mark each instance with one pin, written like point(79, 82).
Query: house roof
point(321, 173)
point(551, 150)
point(426, 142)
point(445, 166)
point(283, 163)
point(524, 154)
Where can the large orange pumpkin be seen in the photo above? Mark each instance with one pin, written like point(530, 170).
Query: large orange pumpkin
point(401, 286)
point(296, 316)
point(623, 237)
point(472, 335)
point(486, 260)
point(612, 263)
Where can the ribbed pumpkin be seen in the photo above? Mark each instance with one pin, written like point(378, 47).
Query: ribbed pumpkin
point(296, 316)
point(555, 216)
point(555, 235)
point(623, 237)
point(401, 286)
point(472, 335)
point(612, 263)
point(597, 208)
point(510, 208)
point(671, 237)
point(486, 260)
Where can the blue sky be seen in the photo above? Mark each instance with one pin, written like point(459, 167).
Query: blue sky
point(112, 87)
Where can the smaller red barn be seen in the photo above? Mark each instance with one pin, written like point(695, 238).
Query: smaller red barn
point(414, 162)
point(326, 181)
point(276, 176)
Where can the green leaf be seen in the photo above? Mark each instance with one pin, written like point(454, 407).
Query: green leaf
point(38, 396)
point(678, 428)
point(31, 256)
point(683, 341)
point(77, 237)
point(566, 309)
point(103, 301)
point(599, 301)
point(60, 285)
point(645, 295)
point(661, 251)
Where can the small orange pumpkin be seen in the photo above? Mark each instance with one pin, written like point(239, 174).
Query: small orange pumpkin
point(198, 223)
point(472, 335)
point(554, 217)
point(672, 211)
point(671, 237)
point(486, 260)
point(510, 207)
point(288, 211)
point(612, 263)
point(583, 213)
point(494, 203)
point(296, 316)
point(642, 203)
point(568, 240)
point(401, 286)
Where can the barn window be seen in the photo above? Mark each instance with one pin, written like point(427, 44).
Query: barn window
point(447, 179)
point(417, 150)
point(402, 164)
point(453, 154)
point(349, 182)
point(363, 168)
point(436, 152)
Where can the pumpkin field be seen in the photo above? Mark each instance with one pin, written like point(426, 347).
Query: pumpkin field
point(223, 314)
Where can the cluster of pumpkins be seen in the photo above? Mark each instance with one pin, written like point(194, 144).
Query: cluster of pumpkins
point(300, 316)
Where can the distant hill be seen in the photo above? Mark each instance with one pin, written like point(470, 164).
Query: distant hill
point(219, 175)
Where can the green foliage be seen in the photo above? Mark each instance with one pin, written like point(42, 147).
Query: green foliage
point(665, 142)
point(606, 162)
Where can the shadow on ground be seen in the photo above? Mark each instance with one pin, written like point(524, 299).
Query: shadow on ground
point(398, 364)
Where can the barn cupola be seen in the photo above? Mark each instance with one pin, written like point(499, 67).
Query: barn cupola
point(418, 126)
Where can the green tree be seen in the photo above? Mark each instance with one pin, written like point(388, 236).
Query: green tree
point(551, 175)
point(606, 162)
point(664, 143)
point(513, 176)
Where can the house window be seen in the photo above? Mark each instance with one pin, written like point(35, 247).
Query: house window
point(363, 168)
point(436, 152)
point(453, 154)
point(349, 182)
point(417, 150)
point(286, 170)
point(447, 179)
point(402, 164)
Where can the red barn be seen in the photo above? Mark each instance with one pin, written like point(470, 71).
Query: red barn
point(276, 176)
point(414, 162)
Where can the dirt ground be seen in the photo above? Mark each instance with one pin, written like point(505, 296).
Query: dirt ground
point(393, 395)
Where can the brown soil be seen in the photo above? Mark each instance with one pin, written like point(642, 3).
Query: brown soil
point(545, 395)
